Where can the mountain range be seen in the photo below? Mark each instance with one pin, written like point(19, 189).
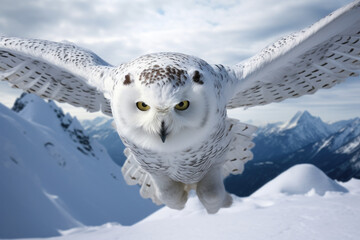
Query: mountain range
point(301, 130)
point(334, 148)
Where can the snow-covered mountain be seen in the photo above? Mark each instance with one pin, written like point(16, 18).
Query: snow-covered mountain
point(53, 176)
point(281, 138)
point(337, 154)
point(101, 129)
point(346, 140)
point(284, 209)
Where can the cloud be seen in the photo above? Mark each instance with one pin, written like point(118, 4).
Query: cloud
point(221, 31)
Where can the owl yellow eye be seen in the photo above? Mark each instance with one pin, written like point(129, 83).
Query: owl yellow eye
point(142, 106)
point(182, 105)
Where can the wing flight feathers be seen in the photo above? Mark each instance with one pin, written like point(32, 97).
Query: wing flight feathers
point(59, 71)
point(318, 57)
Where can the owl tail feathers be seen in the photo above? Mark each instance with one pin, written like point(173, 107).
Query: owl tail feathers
point(134, 174)
point(240, 147)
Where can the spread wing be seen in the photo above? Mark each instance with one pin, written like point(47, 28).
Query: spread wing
point(318, 57)
point(60, 71)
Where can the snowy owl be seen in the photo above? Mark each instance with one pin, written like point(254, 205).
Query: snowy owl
point(170, 109)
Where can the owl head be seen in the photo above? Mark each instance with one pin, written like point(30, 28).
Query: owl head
point(166, 104)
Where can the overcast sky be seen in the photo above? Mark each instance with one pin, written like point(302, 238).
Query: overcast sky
point(217, 31)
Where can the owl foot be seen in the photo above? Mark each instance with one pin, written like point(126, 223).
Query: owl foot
point(227, 201)
point(213, 201)
point(171, 193)
point(174, 202)
point(211, 192)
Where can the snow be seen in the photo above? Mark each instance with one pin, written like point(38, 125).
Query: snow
point(269, 129)
point(302, 130)
point(332, 215)
point(350, 147)
point(97, 122)
point(102, 130)
point(325, 144)
point(293, 122)
point(349, 133)
point(54, 179)
point(353, 185)
point(304, 123)
point(300, 179)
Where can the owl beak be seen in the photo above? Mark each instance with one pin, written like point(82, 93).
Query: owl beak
point(163, 132)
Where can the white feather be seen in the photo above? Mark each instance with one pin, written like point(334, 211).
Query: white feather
point(317, 57)
point(55, 70)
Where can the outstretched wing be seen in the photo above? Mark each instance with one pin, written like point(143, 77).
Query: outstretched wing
point(60, 71)
point(318, 57)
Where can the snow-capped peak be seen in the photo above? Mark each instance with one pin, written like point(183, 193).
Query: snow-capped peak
point(49, 115)
point(296, 118)
point(36, 110)
point(301, 117)
point(306, 127)
point(300, 131)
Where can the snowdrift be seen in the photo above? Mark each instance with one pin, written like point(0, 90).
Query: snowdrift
point(300, 179)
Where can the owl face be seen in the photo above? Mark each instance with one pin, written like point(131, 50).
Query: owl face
point(164, 108)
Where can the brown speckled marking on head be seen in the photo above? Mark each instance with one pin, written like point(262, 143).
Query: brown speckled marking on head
point(127, 80)
point(168, 74)
point(197, 77)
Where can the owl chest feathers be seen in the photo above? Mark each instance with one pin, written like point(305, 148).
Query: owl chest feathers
point(190, 164)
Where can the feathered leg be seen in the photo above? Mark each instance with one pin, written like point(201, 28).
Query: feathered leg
point(211, 191)
point(171, 193)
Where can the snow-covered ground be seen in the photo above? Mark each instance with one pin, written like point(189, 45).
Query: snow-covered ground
point(301, 203)
point(52, 176)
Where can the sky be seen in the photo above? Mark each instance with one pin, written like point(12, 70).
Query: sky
point(217, 31)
